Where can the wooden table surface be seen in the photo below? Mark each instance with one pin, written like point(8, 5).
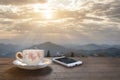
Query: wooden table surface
point(94, 68)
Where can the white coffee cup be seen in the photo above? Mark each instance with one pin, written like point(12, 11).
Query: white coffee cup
point(30, 56)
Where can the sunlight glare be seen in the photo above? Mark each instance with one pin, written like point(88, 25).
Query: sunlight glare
point(44, 9)
point(48, 14)
point(36, 7)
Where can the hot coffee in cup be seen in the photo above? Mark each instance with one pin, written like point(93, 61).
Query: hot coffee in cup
point(30, 56)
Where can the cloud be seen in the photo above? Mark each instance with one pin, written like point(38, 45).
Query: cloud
point(93, 21)
point(110, 9)
point(20, 2)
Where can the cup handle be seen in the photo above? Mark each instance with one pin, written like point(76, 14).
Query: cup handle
point(19, 56)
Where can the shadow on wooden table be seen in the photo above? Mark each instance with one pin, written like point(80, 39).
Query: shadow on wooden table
point(17, 72)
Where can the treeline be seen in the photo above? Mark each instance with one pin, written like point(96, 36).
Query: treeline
point(49, 54)
point(73, 54)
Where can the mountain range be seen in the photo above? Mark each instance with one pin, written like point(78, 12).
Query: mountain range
point(9, 50)
point(52, 47)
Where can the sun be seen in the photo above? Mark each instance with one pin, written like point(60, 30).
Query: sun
point(45, 11)
point(48, 14)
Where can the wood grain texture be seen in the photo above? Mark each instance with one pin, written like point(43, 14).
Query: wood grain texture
point(94, 68)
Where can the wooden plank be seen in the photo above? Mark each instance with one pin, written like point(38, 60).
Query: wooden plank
point(94, 68)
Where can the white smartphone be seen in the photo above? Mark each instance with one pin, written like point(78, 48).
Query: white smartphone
point(66, 61)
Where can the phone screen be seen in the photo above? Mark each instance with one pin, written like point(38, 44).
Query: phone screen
point(66, 60)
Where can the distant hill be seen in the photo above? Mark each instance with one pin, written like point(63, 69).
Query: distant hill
point(8, 50)
point(91, 47)
point(53, 48)
point(116, 46)
point(113, 52)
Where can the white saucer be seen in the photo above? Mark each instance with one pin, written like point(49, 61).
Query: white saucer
point(22, 65)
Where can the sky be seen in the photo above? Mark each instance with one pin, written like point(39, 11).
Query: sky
point(30, 22)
